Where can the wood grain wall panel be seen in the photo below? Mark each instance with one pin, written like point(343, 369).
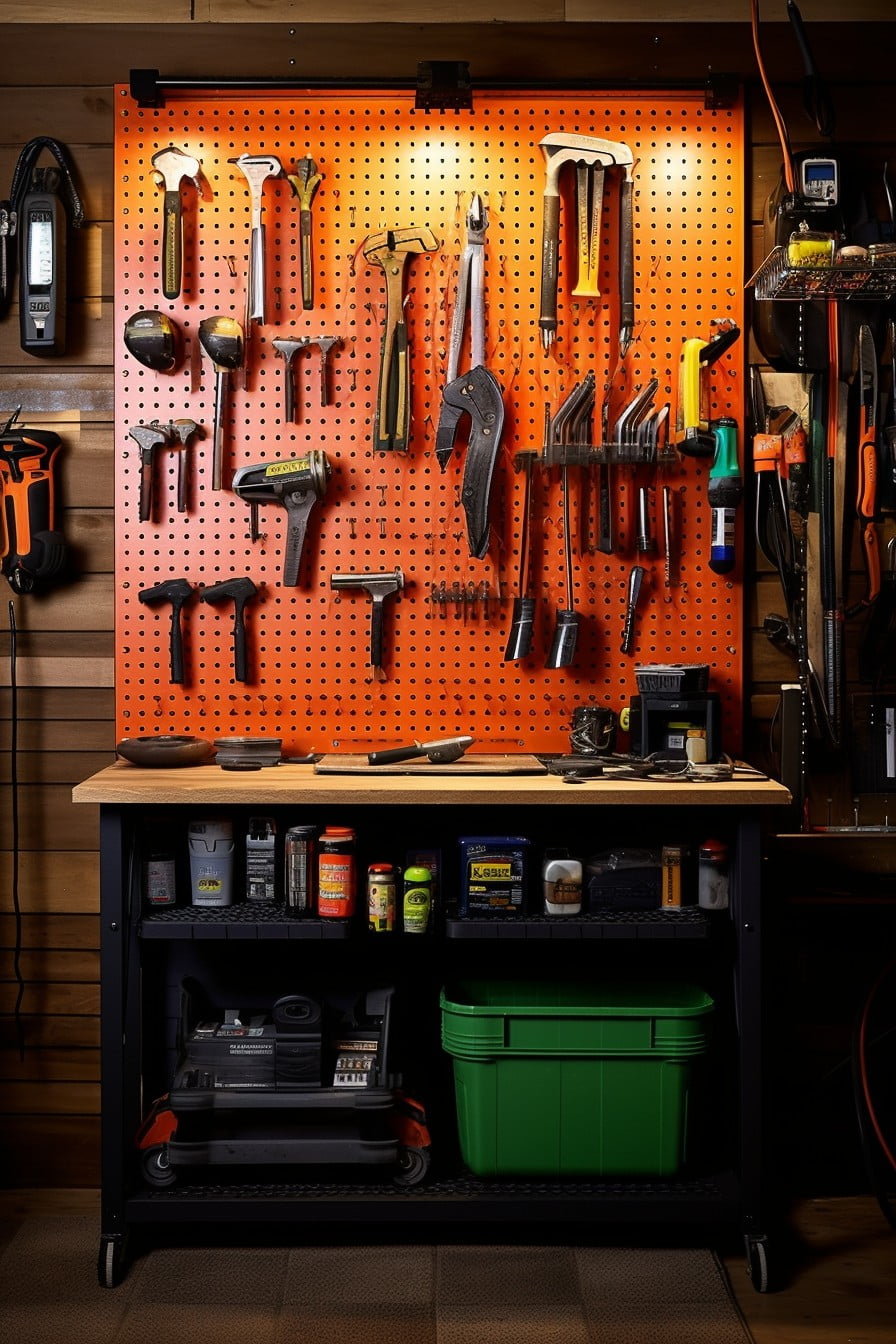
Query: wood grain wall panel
point(48, 816)
point(62, 1031)
point(55, 767)
point(58, 703)
point(52, 881)
point(91, 539)
point(64, 1152)
point(49, 1000)
point(52, 1065)
point(51, 931)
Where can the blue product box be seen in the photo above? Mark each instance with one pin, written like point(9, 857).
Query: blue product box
point(492, 875)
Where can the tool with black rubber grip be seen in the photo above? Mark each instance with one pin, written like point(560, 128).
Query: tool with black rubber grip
point(239, 592)
point(379, 587)
point(441, 752)
point(176, 592)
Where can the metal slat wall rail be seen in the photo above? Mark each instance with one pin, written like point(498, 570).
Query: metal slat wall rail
point(385, 166)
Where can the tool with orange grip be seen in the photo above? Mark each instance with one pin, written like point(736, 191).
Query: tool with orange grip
point(33, 550)
point(866, 473)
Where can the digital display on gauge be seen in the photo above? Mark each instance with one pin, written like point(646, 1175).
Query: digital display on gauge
point(40, 249)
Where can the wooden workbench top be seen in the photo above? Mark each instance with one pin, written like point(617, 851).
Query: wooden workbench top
point(290, 783)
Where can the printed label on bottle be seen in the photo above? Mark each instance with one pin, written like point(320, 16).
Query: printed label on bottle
point(336, 886)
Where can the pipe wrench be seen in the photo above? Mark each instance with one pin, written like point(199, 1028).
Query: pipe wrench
point(391, 250)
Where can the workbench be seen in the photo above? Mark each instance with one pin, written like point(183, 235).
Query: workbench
point(144, 954)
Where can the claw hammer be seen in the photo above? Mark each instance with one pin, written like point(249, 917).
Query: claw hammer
point(596, 154)
point(257, 168)
point(172, 166)
point(391, 250)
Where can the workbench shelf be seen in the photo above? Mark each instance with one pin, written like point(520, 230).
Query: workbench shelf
point(247, 956)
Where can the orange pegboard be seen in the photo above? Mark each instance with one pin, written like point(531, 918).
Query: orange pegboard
point(386, 166)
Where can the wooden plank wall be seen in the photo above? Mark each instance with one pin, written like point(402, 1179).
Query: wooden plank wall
point(62, 86)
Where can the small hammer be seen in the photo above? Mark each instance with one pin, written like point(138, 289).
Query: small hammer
point(183, 431)
point(325, 345)
point(379, 586)
point(148, 438)
point(175, 591)
point(172, 166)
point(239, 592)
point(289, 350)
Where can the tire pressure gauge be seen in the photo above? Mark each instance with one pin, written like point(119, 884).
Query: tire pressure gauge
point(42, 274)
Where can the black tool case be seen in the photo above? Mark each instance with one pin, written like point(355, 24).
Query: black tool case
point(308, 1083)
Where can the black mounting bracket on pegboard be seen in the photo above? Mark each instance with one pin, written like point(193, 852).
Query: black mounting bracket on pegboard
point(442, 85)
point(720, 92)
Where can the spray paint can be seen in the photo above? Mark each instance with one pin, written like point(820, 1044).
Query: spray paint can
point(336, 873)
point(381, 898)
point(300, 865)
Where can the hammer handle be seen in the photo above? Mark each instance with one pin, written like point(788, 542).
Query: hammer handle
point(240, 655)
point(550, 242)
point(176, 647)
point(626, 259)
point(172, 244)
point(256, 275)
point(307, 273)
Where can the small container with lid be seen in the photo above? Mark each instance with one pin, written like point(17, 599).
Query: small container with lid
point(712, 875)
point(336, 873)
point(562, 878)
point(417, 901)
point(381, 898)
point(300, 869)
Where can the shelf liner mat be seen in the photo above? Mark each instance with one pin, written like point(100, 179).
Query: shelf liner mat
point(397, 1294)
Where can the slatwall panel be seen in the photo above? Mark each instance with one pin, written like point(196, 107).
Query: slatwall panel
point(385, 165)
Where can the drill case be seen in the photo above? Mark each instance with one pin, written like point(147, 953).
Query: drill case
point(309, 1082)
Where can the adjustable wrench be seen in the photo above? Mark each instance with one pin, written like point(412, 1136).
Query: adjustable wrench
point(172, 166)
point(391, 250)
point(257, 168)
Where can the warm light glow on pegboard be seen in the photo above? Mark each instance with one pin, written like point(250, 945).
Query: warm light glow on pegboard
point(385, 167)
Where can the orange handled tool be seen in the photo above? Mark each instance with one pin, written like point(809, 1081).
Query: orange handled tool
point(866, 475)
point(32, 549)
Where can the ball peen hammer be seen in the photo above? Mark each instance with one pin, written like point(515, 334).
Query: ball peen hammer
point(257, 168)
point(172, 166)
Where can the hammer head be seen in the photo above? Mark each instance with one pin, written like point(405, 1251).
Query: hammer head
point(173, 165)
point(175, 591)
point(237, 591)
point(184, 430)
point(560, 148)
point(148, 436)
point(377, 585)
point(380, 248)
point(257, 168)
point(289, 349)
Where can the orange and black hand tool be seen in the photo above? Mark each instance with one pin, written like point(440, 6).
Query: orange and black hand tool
point(866, 477)
point(33, 550)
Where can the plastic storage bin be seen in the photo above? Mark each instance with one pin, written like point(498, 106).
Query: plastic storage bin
point(574, 1079)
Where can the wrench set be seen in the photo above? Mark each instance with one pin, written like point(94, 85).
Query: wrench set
point(447, 356)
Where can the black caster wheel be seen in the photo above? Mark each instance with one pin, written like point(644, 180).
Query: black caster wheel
point(112, 1261)
point(413, 1165)
point(757, 1262)
point(157, 1170)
